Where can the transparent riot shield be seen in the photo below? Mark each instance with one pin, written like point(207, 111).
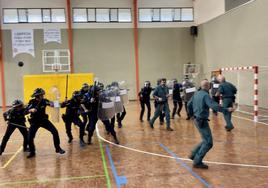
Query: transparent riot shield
point(106, 108)
point(188, 90)
point(119, 108)
point(54, 93)
point(170, 86)
point(123, 91)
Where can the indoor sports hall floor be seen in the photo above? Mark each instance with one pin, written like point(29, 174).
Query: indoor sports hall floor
point(146, 158)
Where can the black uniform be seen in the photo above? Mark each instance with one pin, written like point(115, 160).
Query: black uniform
point(83, 113)
point(92, 99)
point(119, 118)
point(40, 119)
point(71, 115)
point(15, 117)
point(214, 86)
point(145, 100)
point(177, 99)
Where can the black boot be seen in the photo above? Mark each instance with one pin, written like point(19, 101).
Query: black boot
point(89, 141)
point(26, 149)
point(201, 165)
point(70, 140)
point(31, 155)
point(60, 151)
point(120, 125)
point(82, 143)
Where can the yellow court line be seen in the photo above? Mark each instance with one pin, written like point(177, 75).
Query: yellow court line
point(12, 158)
point(50, 180)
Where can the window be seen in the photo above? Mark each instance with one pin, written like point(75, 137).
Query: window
point(11, 16)
point(102, 15)
point(46, 15)
point(124, 15)
point(114, 15)
point(187, 14)
point(80, 15)
point(166, 14)
point(22, 15)
point(156, 15)
point(33, 15)
point(91, 15)
point(58, 15)
point(145, 15)
point(177, 14)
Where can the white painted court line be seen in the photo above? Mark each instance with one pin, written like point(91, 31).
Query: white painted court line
point(249, 120)
point(171, 157)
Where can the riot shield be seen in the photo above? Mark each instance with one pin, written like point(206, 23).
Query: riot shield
point(106, 109)
point(119, 108)
point(188, 90)
point(170, 86)
point(55, 97)
point(123, 91)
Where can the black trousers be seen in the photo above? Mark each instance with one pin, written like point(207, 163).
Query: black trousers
point(217, 100)
point(93, 119)
point(85, 118)
point(148, 105)
point(46, 124)
point(119, 117)
point(186, 109)
point(175, 107)
point(92, 125)
point(10, 129)
point(77, 121)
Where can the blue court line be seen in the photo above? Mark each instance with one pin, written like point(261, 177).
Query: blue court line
point(119, 180)
point(185, 166)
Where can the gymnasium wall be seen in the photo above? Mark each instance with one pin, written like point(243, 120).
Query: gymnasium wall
point(105, 49)
point(237, 38)
point(109, 54)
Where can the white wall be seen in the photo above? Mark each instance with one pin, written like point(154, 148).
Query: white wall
point(206, 10)
point(165, 3)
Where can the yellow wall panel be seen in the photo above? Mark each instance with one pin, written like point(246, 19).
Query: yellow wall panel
point(54, 83)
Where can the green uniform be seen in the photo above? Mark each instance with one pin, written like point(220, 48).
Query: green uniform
point(161, 92)
point(198, 108)
point(228, 91)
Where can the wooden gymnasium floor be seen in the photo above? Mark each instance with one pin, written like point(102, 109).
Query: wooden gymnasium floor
point(149, 158)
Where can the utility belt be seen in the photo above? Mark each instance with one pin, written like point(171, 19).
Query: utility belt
point(68, 117)
point(229, 97)
point(201, 121)
point(22, 123)
point(37, 119)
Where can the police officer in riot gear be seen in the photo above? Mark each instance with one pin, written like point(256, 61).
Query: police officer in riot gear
point(177, 89)
point(214, 86)
point(144, 96)
point(93, 99)
point(84, 113)
point(119, 116)
point(15, 118)
point(39, 118)
point(73, 107)
point(187, 95)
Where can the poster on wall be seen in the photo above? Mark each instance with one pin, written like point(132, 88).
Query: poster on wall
point(22, 42)
point(52, 35)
